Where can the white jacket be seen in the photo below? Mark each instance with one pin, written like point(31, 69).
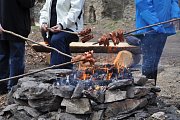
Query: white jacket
point(68, 12)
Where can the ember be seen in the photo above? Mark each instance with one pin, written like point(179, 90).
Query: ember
point(104, 72)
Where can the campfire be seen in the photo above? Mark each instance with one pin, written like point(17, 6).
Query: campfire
point(88, 92)
point(93, 93)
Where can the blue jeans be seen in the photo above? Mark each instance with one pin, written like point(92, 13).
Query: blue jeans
point(11, 60)
point(61, 42)
point(152, 47)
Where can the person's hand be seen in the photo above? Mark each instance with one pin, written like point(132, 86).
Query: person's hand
point(55, 29)
point(44, 27)
point(1, 29)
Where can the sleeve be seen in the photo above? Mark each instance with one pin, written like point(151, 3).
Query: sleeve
point(148, 13)
point(44, 14)
point(175, 12)
point(26, 3)
point(74, 12)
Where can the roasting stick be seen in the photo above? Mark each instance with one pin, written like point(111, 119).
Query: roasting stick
point(84, 35)
point(27, 39)
point(149, 26)
point(40, 70)
point(75, 33)
point(34, 50)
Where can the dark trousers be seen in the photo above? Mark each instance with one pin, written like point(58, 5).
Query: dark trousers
point(11, 60)
point(61, 42)
point(152, 47)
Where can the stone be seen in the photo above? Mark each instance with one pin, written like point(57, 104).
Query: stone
point(11, 112)
point(48, 116)
point(67, 116)
point(97, 115)
point(137, 92)
point(8, 109)
point(25, 79)
point(19, 94)
point(99, 107)
point(46, 105)
point(78, 90)
point(125, 106)
point(140, 80)
point(152, 109)
point(23, 88)
point(42, 91)
point(141, 115)
point(33, 90)
point(33, 112)
point(21, 102)
point(97, 96)
point(150, 83)
point(2, 118)
point(158, 116)
point(172, 109)
point(122, 116)
point(114, 95)
point(64, 91)
point(120, 84)
point(155, 89)
point(10, 99)
point(152, 98)
point(77, 106)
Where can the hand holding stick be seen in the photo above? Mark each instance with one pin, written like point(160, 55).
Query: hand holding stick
point(84, 34)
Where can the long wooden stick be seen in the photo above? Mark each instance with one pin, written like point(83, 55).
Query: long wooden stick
point(40, 70)
point(149, 26)
point(27, 39)
point(75, 33)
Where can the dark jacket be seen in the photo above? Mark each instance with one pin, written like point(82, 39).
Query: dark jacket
point(15, 16)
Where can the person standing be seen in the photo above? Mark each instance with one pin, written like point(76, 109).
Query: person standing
point(15, 17)
point(57, 15)
point(153, 39)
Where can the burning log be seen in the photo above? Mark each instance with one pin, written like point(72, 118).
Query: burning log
point(126, 59)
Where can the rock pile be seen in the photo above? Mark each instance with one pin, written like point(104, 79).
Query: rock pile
point(41, 97)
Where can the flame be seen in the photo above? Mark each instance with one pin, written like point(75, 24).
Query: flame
point(109, 75)
point(84, 76)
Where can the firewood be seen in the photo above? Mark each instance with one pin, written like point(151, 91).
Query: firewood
point(126, 59)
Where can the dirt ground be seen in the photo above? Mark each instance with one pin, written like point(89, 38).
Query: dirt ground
point(169, 71)
point(169, 67)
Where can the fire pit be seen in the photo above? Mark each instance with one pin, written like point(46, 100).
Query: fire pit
point(92, 93)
